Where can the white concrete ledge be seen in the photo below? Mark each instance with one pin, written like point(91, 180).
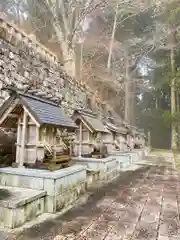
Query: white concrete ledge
point(43, 173)
point(121, 153)
point(95, 163)
point(20, 205)
point(105, 168)
point(95, 160)
point(62, 186)
point(18, 197)
point(124, 160)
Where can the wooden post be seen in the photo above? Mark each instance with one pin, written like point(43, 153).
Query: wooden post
point(71, 148)
point(80, 140)
point(23, 138)
point(18, 141)
point(149, 139)
point(54, 136)
point(89, 141)
point(88, 138)
point(37, 141)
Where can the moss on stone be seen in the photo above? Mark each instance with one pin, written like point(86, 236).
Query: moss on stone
point(4, 193)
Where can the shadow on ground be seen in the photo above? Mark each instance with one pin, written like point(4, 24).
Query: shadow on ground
point(74, 219)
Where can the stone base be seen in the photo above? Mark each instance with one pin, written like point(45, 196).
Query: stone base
point(140, 153)
point(92, 177)
point(62, 186)
point(147, 151)
point(124, 160)
point(18, 205)
point(63, 199)
point(107, 167)
point(135, 155)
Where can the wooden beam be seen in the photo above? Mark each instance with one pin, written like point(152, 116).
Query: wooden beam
point(31, 116)
point(18, 144)
point(80, 139)
point(8, 112)
point(82, 120)
point(13, 115)
point(37, 141)
point(23, 139)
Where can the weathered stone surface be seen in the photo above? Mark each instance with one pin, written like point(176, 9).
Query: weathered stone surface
point(141, 204)
point(18, 197)
point(21, 65)
point(62, 186)
point(20, 206)
point(107, 167)
point(124, 160)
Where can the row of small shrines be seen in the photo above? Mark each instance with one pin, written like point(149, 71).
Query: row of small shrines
point(47, 137)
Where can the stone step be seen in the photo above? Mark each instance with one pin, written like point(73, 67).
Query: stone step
point(19, 205)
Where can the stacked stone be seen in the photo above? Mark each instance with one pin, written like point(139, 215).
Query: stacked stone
point(25, 63)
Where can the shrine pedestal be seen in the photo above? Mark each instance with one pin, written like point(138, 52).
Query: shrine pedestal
point(62, 187)
point(124, 160)
point(19, 205)
point(107, 167)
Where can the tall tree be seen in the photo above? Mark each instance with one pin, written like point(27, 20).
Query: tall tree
point(68, 19)
point(169, 22)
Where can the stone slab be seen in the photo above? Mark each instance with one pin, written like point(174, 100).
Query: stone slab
point(107, 168)
point(122, 153)
point(62, 187)
point(92, 177)
point(42, 173)
point(17, 197)
point(94, 163)
point(124, 160)
point(18, 206)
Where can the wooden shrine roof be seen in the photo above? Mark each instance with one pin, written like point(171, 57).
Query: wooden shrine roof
point(91, 119)
point(117, 129)
point(116, 125)
point(44, 111)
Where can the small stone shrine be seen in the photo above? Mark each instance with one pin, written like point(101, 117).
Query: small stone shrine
point(140, 139)
point(119, 133)
point(130, 136)
point(89, 135)
point(42, 128)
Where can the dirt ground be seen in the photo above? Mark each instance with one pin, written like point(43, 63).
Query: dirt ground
point(140, 204)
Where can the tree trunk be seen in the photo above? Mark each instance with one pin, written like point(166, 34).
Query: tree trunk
point(173, 101)
point(149, 139)
point(69, 59)
point(112, 39)
point(81, 62)
point(156, 103)
point(177, 102)
point(127, 94)
point(68, 52)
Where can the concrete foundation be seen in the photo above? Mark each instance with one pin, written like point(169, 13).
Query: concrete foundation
point(33, 191)
point(107, 167)
point(92, 177)
point(20, 205)
point(124, 160)
point(62, 187)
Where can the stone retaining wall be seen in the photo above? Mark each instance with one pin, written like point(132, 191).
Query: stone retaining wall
point(24, 62)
